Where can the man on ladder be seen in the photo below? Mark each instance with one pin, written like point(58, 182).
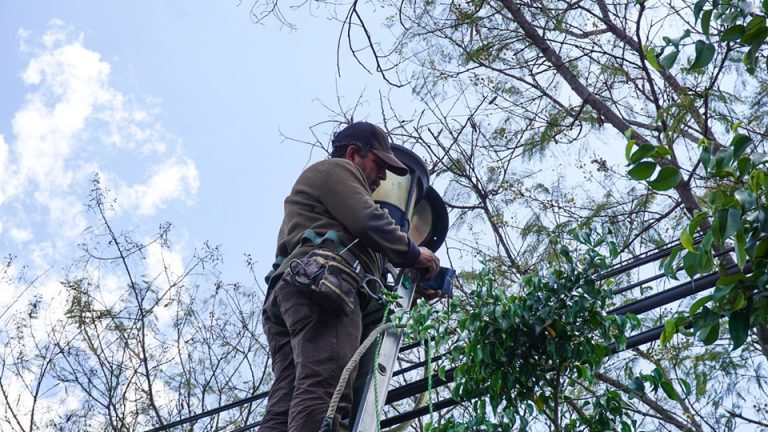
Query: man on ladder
point(333, 239)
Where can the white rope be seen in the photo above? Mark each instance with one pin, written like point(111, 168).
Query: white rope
point(351, 365)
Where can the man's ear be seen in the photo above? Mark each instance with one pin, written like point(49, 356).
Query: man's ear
point(351, 153)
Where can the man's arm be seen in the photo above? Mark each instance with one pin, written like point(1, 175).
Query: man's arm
point(346, 196)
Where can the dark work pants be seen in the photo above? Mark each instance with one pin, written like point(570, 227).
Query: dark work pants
point(309, 349)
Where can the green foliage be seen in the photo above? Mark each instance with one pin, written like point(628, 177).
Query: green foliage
point(645, 159)
point(657, 380)
point(738, 212)
point(738, 26)
point(705, 52)
point(524, 350)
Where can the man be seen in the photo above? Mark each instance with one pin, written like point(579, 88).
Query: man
point(330, 206)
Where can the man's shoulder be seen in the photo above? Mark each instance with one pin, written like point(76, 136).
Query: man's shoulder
point(332, 168)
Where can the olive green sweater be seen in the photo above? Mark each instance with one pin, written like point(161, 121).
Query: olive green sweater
point(333, 196)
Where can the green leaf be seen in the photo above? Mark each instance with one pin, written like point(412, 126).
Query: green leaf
point(613, 250)
point(747, 199)
point(705, 20)
point(755, 31)
point(710, 334)
point(761, 250)
point(690, 263)
point(669, 331)
point(741, 249)
point(732, 33)
point(723, 159)
point(744, 165)
point(697, 8)
point(705, 52)
point(642, 170)
point(670, 261)
point(696, 220)
point(641, 153)
point(628, 148)
point(705, 157)
point(705, 261)
point(669, 59)
point(738, 327)
point(739, 143)
point(657, 374)
point(756, 38)
point(750, 58)
point(686, 386)
point(719, 224)
point(650, 56)
point(756, 179)
point(729, 280)
point(686, 240)
point(734, 224)
point(669, 390)
point(762, 220)
point(667, 178)
point(637, 385)
point(676, 41)
point(721, 291)
point(662, 151)
point(699, 303)
point(740, 302)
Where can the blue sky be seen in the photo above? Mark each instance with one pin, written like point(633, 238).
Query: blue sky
point(179, 106)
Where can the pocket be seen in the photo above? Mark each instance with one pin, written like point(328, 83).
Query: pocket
point(328, 280)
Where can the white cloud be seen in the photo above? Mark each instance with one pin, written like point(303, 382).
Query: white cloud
point(71, 125)
point(3, 166)
point(20, 235)
point(173, 179)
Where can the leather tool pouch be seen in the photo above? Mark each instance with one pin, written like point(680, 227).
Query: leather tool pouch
point(328, 279)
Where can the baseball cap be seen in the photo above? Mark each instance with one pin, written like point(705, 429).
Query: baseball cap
point(373, 138)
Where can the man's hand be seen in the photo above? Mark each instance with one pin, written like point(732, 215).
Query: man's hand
point(428, 262)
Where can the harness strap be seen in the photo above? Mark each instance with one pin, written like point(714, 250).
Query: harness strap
point(329, 240)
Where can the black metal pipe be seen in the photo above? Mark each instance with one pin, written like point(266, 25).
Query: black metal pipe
point(675, 293)
point(211, 412)
point(635, 263)
point(419, 386)
point(418, 412)
point(638, 284)
point(248, 427)
point(418, 365)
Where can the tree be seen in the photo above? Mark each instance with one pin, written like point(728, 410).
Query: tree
point(507, 84)
point(144, 340)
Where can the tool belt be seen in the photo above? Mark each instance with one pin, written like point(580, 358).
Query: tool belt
point(330, 279)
